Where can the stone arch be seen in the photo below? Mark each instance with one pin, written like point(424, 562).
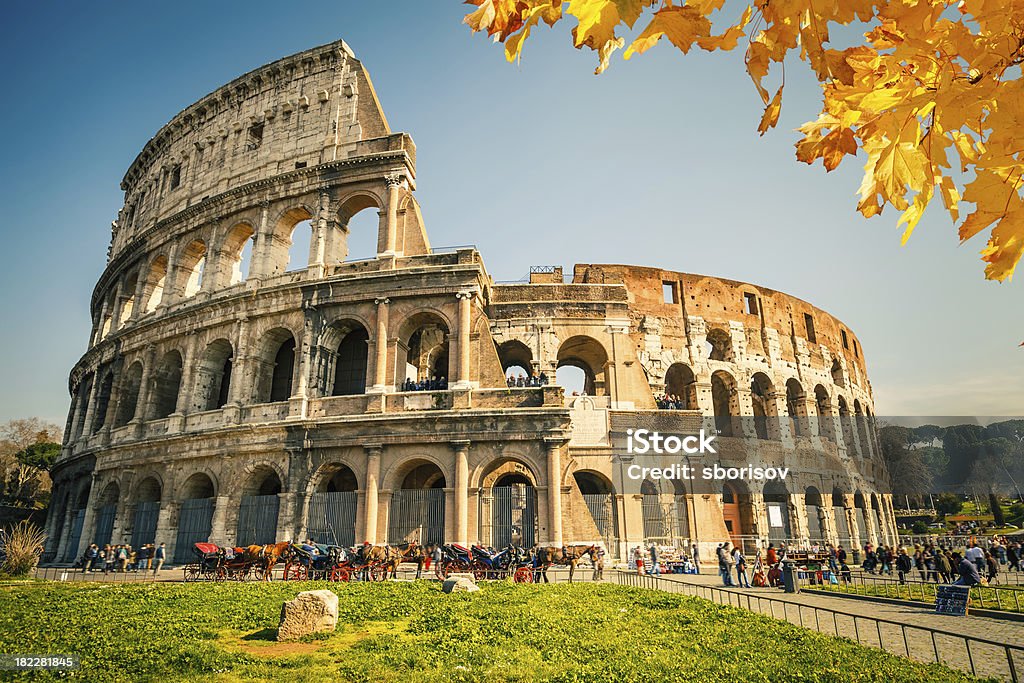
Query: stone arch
point(823, 402)
point(213, 376)
point(198, 485)
point(261, 488)
point(239, 240)
point(837, 373)
point(129, 287)
point(814, 505)
point(344, 349)
point(262, 479)
point(780, 524)
point(155, 284)
point(82, 405)
point(103, 395)
point(515, 355)
point(191, 267)
point(724, 398)
point(718, 344)
point(417, 509)
point(598, 493)
point(737, 511)
point(128, 395)
point(846, 423)
point(590, 356)
point(861, 516)
point(762, 398)
point(508, 504)
point(275, 366)
point(796, 406)
point(862, 432)
point(149, 489)
point(277, 251)
point(843, 535)
point(165, 385)
point(349, 208)
point(197, 499)
point(333, 502)
point(506, 465)
point(592, 482)
point(681, 385)
point(334, 477)
point(423, 344)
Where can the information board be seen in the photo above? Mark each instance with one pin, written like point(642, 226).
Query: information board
point(952, 599)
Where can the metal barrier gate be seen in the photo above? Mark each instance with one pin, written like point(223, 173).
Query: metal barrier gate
point(331, 518)
point(105, 525)
point(416, 515)
point(602, 510)
point(144, 528)
point(257, 520)
point(74, 536)
point(194, 521)
point(509, 516)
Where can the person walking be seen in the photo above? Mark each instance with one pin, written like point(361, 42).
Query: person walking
point(655, 570)
point(696, 559)
point(741, 568)
point(903, 565)
point(435, 557)
point(942, 565)
point(599, 566)
point(159, 557)
point(993, 567)
point(638, 559)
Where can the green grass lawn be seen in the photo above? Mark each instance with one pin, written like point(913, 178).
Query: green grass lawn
point(412, 632)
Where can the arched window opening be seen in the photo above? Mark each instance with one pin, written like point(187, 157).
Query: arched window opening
point(147, 512)
point(599, 495)
point(359, 229)
point(195, 515)
point(573, 379)
point(237, 253)
point(156, 278)
point(257, 514)
point(425, 337)
point(82, 404)
point(681, 386)
point(517, 362)
point(350, 364)
point(862, 430)
point(99, 417)
point(275, 363)
point(719, 344)
point(839, 515)
point(331, 517)
point(797, 407)
point(837, 373)
point(826, 427)
point(284, 362)
point(762, 397)
point(586, 354)
point(724, 399)
point(846, 423)
point(213, 376)
point(129, 395)
point(128, 305)
point(300, 243)
point(815, 525)
point(166, 386)
point(193, 264)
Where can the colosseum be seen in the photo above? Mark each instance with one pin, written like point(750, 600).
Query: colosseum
point(237, 392)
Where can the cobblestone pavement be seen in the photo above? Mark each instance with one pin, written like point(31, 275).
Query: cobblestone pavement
point(916, 632)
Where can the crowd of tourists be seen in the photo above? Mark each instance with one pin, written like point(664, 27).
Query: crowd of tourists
point(523, 380)
point(941, 564)
point(123, 558)
point(670, 402)
point(432, 384)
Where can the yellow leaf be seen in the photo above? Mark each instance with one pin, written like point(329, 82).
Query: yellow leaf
point(913, 214)
point(681, 25)
point(950, 197)
point(757, 58)
point(731, 36)
point(597, 22)
point(771, 113)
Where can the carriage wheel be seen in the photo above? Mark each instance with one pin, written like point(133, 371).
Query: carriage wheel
point(524, 575)
point(479, 573)
point(295, 572)
point(191, 572)
point(220, 574)
point(378, 573)
point(340, 574)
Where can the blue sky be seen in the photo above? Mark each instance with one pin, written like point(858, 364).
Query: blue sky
point(656, 162)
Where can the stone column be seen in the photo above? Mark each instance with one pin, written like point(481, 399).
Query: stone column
point(554, 444)
point(461, 528)
point(218, 524)
point(166, 526)
point(262, 246)
point(139, 309)
point(372, 486)
point(90, 406)
point(394, 183)
point(380, 348)
point(462, 352)
point(144, 388)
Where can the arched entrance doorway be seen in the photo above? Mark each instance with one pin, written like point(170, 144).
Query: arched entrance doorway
point(736, 512)
point(417, 507)
point(860, 514)
point(257, 514)
point(812, 501)
point(195, 516)
point(508, 507)
point(331, 518)
point(666, 520)
point(80, 503)
point(106, 512)
point(147, 511)
point(776, 503)
point(599, 496)
point(839, 514)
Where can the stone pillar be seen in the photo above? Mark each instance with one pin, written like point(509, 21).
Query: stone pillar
point(144, 388)
point(554, 449)
point(462, 352)
point(394, 183)
point(262, 246)
point(176, 423)
point(380, 348)
point(139, 309)
point(218, 524)
point(90, 407)
point(171, 294)
point(167, 526)
point(299, 400)
point(461, 528)
point(372, 487)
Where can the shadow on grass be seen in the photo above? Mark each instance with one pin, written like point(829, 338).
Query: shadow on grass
point(268, 634)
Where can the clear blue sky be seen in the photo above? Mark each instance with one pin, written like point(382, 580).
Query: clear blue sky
point(657, 162)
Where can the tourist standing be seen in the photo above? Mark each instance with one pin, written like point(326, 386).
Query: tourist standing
point(638, 559)
point(903, 565)
point(654, 559)
point(599, 565)
point(741, 568)
point(159, 557)
point(696, 559)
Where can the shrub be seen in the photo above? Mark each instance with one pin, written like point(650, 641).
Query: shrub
point(920, 527)
point(21, 546)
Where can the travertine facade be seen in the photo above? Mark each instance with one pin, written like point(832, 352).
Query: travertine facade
point(227, 397)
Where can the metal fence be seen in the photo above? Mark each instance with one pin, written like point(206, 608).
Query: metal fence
point(416, 515)
point(194, 521)
point(981, 656)
point(602, 509)
point(105, 525)
point(990, 596)
point(511, 517)
point(144, 528)
point(74, 536)
point(332, 518)
point(257, 520)
point(70, 575)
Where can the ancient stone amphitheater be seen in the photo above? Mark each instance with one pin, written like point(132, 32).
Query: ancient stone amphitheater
point(230, 393)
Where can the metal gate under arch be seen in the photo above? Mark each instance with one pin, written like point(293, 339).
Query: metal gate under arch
point(665, 519)
point(257, 520)
point(842, 526)
point(331, 518)
point(814, 531)
point(105, 525)
point(144, 528)
point(508, 515)
point(602, 510)
point(416, 515)
point(194, 521)
point(74, 536)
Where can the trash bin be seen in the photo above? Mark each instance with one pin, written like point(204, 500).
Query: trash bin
point(790, 580)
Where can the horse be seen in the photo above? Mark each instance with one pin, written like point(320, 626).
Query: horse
point(372, 556)
point(264, 557)
point(408, 552)
point(570, 555)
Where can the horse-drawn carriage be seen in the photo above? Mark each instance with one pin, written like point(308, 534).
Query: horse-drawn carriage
point(487, 563)
point(214, 563)
point(313, 562)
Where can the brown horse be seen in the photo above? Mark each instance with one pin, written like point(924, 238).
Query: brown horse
point(264, 557)
point(409, 552)
point(377, 557)
point(566, 555)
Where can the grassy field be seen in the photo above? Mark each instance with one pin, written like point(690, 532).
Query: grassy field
point(1006, 598)
point(413, 632)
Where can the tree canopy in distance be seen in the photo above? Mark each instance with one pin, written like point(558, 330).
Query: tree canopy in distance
point(933, 96)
